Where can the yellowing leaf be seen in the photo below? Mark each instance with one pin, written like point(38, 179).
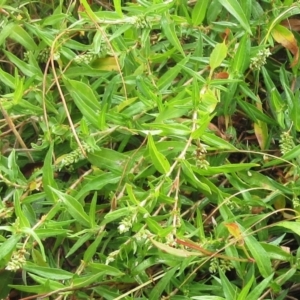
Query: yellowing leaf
point(261, 130)
point(234, 230)
point(286, 38)
point(105, 64)
point(217, 56)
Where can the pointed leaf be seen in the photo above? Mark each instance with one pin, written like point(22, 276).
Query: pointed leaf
point(287, 39)
point(74, 207)
point(159, 161)
point(85, 100)
point(260, 256)
point(199, 11)
point(168, 28)
point(218, 55)
point(235, 9)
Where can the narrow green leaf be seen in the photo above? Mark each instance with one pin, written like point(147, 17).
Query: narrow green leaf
point(207, 298)
point(31, 232)
point(7, 79)
point(109, 159)
point(28, 69)
point(217, 142)
point(260, 256)
point(188, 171)
point(84, 281)
point(116, 214)
point(235, 9)
point(160, 286)
point(118, 7)
point(259, 289)
point(167, 78)
point(74, 207)
point(159, 161)
point(47, 272)
point(230, 168)
point(292, 225)
point(85, 100)
point(97, 183)
point(294, 153)
point(105, 269)
point(24, 222)
point(84, 238)
point(228, 288)
point(245, 291)
point(9, 245)
point(241, 58)
point(21, 36)
point(6, 280)
point(92, 248)
point(199, 11)
point(295, 113)
point(48, 176)
point(168, 28)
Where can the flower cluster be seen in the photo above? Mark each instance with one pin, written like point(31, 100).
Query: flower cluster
point(224, 265)
point(202, 163)
point(125, 225)
point(111, 257)
point(260, 59)
point(84, 58)
point(17, 260)
point(74, 156)
point(286, 142)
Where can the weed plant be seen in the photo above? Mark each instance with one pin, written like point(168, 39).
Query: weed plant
point(149, 149)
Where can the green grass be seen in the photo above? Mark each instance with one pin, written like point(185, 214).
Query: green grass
point(149, 150)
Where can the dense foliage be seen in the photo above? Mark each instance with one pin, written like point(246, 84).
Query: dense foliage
point(149, 149)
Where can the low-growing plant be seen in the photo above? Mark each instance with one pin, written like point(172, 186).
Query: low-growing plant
point(149, 149)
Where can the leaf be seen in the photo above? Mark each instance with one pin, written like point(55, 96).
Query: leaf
point(48, 176)
point(207, 298)
point(105, 269)
point(217, 56)
point(28, 69)
point(156, 293)
point(168, 28)
point(167, 78)
point(105, 64)
point(234, 230)
point(118, 7)
point(228, 288)
point(85, 100)
point(259, 289)
point(261, 130)
point(74, 207)
point(109, 159)
point(187, 170)
point(295, 113)
point(199, 11)
point(241, 58)
point(174, 251)
point(287, 39)
point(260, 256)
point(159, 161)
point(47, 272)
point(235, 9)
point(21, 36)
point(295, 152)
point(245, 291)
point(293, 226)
point(97, 183)
point(116, 214)
point(9, 245)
